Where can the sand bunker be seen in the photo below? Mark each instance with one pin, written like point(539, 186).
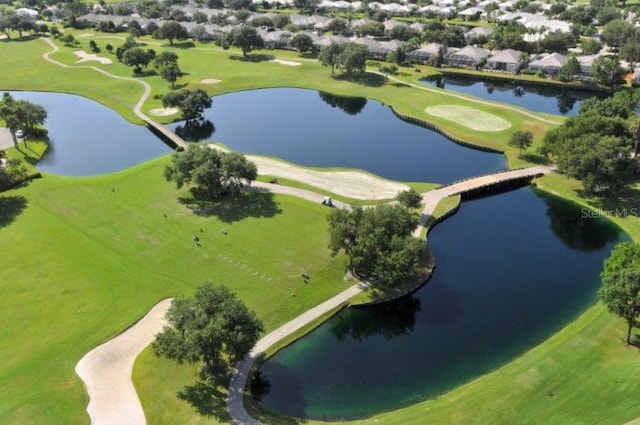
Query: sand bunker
point(472, 118)
point(353, 184)
point(288, 63)
point(85, 57)
point(209, 81)
point(90, 34)
point(163, 112)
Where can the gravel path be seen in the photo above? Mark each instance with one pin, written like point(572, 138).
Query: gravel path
point(239, 378)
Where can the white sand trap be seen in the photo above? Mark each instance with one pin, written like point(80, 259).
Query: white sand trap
point(353, 184)
point(85, 57)
point(90, 34)
point(106, 371)
point(472, 118)
point(209, 81)
point(288, 63)
point(163, 112)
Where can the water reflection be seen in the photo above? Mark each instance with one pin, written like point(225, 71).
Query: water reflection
point(389, 320)
point(573, 228)
point(350, 105)
point(195, 131)
point(540, 98)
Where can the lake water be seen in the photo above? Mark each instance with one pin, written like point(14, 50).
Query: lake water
point(554, 100)
point(87, 138)
point(511, 270)
point(319, 130)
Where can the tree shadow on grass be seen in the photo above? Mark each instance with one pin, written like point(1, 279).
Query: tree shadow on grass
point(254, 202)
point(10, 207)
point(181, 45)
point(366, 79)
point(626, 201)
point(535, 158)
point(256, 57)
point(208, 398)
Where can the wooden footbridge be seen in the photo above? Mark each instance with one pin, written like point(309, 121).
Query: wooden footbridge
point(478, 185)
point(164, 133)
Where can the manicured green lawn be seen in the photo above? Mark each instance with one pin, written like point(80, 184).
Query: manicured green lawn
point(85, 257)
point(209, 61)
point(88, 256)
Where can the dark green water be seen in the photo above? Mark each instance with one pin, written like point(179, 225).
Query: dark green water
point(512, 270)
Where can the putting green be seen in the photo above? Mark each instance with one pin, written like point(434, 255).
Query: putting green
point(472, 118)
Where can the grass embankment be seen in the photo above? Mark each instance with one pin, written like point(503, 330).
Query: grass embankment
point(87, 261)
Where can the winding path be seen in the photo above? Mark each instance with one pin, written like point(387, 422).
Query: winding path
point(235, 395)
point(106, 370)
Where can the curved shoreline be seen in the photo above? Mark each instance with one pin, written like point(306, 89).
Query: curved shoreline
point(146, 93)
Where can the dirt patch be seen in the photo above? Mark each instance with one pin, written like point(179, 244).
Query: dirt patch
point(163, 112)
point(287, 63)
point(209, 81)
point(86, 57)
point(472, 118)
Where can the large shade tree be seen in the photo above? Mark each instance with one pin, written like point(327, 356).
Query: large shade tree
point(246, 38)
point(378, 243)
point(620, 289)
point(214, 327)
point(213, 172)
point(190, 102)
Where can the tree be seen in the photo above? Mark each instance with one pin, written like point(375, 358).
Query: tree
point(137, 58)
point(246, 38)
point(378, 243)
point(389, 69)
point(630, 51)
point(375, 29)
point(337, 26)
point(620, 290)
point(521, 140)
point(605, 69)
point(329, 55)
point(199, 17)
point(595, 146)
point(32, 115)
point(302, 42)
point(213, 173)
point(616, 32)
point(409, 198)
point(402, 32)
point(170, 73)
point(570, 68)
point(353, 58)
point(171, 31)
point(21, 114)
point(164, 58)
point(214, 327)
point(191, 102)
point(590, 46)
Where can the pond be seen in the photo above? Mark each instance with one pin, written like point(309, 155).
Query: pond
point(87, 138)
point(512, 270)
point(554, 100)
point(320, 130)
